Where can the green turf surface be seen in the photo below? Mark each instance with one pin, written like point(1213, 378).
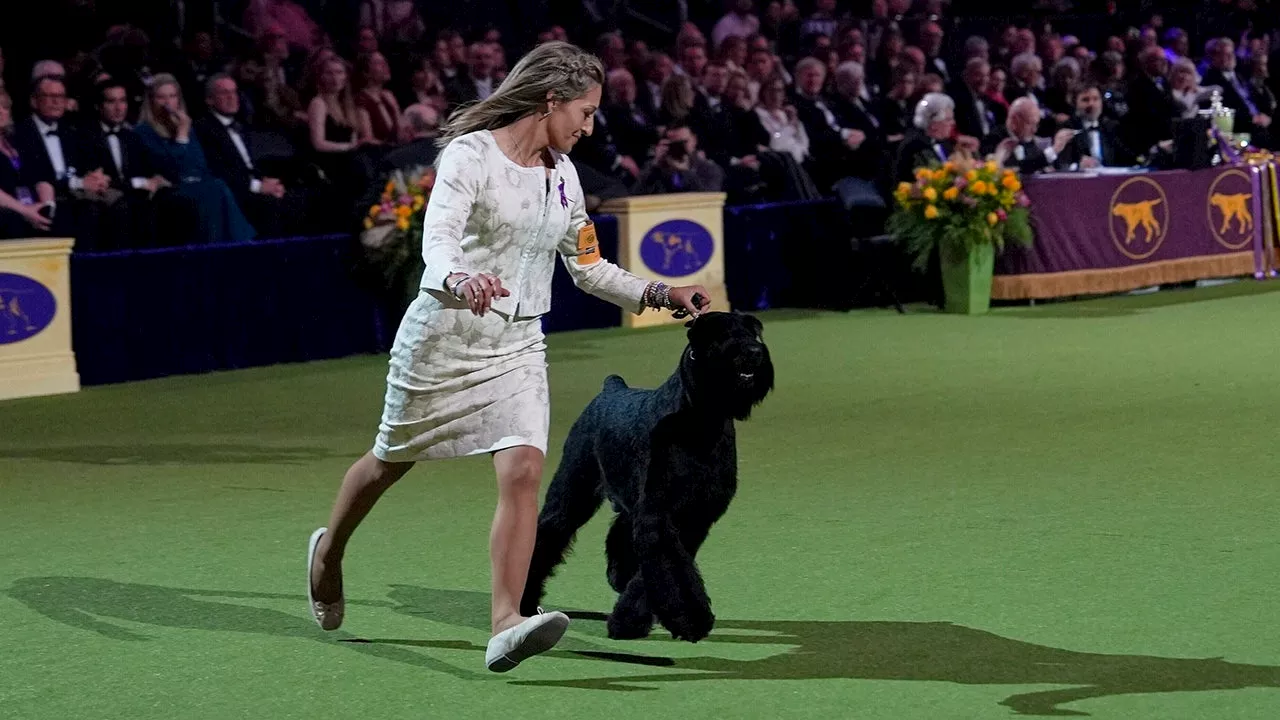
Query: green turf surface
point(1064, 509)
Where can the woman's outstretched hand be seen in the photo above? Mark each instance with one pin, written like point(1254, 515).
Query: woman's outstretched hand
point(693, 299)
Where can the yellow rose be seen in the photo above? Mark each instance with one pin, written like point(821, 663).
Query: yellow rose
point(949, 166)
point(930, 212)
point(403, 211)
point(402, 223)
point(924, 174)
point(418, 202)
point(375, 211)
point(1010, 182)
point(992, 218)
point(368, 223)
point(991, 166)
point(951, 193)
point(930, 194)
point(971, 175)
point(978, 188)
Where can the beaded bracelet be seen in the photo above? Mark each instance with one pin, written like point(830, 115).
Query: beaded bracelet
point(657, 295)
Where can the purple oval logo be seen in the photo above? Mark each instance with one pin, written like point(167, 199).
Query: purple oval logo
point(677, 247)
point(26, 308)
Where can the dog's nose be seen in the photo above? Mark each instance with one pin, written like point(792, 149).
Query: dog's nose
point(755, 354)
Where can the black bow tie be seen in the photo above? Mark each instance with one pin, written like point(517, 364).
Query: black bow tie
point(51, 132)
point(1091, 126)
point(113, 130)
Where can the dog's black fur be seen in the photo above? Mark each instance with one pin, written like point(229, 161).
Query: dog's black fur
point(667, 461)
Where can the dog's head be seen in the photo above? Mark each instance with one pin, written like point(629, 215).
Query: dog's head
point(729, 362)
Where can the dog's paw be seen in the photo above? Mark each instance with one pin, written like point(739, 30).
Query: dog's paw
point(628, 627)
point(691, 624)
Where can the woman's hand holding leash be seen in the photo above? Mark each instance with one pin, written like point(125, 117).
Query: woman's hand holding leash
point(478, 290)
point(689, 300)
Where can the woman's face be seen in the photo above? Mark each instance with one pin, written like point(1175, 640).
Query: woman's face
point(424, 78)
point(167, 97)
point(379, 70)
point(334, 76)
point(572, 119)
point(771, 96)
point(1181, 78)
point(996, 85)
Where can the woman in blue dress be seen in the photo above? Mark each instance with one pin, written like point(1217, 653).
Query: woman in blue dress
point(165, 129)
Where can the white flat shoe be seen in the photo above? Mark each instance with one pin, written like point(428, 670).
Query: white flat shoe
point(537, 634)
point(327, 615)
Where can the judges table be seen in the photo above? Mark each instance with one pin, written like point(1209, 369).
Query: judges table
point(1113, 231)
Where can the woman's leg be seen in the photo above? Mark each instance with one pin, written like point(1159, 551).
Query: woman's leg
point(515, 525)
point(363, 484)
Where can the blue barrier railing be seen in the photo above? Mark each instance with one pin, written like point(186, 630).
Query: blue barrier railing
point(151, 313)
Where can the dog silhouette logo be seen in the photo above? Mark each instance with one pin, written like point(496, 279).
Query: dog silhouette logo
point(26, 308)
point(1139, 218)
point(677, 248)
point(1230, 209)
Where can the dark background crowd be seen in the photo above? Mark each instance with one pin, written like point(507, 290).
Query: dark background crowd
point(144, 123)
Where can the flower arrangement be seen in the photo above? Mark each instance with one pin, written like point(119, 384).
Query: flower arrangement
point(960, 205)
point(392, 236)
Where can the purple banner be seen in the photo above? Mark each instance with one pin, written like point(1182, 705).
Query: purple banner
point(1115, 224)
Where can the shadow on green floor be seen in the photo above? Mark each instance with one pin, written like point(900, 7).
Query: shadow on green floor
point(172, 454)
point(863, 650)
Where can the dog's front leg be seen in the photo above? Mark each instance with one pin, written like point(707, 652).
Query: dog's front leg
point(673, 585)
point(631, 618)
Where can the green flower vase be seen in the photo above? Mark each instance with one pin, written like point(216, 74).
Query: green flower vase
point(966, 277)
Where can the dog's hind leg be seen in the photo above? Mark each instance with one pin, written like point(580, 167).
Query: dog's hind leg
point(620, 553)
point(573, 497)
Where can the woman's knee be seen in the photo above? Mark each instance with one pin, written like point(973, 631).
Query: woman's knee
point(376, 471)
point(519, 471)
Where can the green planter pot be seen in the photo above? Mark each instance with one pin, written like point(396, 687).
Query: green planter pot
point(966, 278)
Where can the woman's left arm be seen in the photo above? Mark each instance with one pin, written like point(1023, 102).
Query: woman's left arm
point(580, 250)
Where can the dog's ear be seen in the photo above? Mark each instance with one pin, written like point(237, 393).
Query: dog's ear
point(756, 324)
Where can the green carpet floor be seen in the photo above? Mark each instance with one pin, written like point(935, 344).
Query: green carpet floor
point(1062, 510)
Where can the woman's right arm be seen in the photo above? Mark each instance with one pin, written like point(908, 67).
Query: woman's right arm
point(316, 114)
point(459, 177)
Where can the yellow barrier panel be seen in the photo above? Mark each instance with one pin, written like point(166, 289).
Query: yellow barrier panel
point(35, 318)
point(677, 239)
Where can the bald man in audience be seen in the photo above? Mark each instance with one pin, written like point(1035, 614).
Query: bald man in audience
point(1021, 148)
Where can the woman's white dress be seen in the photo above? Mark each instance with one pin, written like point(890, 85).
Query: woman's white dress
point(459, 384)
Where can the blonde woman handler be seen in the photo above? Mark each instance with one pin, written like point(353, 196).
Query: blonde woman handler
point(467, 372)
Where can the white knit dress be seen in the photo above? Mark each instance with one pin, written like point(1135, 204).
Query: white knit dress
point(459, 384)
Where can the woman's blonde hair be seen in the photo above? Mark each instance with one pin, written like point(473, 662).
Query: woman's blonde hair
point(555, 69)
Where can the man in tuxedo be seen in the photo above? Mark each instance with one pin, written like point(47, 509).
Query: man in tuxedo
point(1152, 108)
point(833, 147)
point(128, 165)
point(64, 158)
point(477, 83)
point(1097, 140)
point(1021, 148)
point(270, 207)
point(975, 115)
point(1236, 93)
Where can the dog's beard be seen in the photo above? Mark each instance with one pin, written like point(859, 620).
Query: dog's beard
point(735, 389)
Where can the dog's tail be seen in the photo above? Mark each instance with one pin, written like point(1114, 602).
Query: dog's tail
point(614, 382)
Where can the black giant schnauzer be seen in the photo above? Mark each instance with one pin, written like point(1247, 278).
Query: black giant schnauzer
point(667, 461)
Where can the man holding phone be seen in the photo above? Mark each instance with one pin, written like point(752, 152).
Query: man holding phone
point(678, 166)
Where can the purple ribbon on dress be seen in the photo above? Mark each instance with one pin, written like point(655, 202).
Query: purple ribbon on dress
point(564, 201)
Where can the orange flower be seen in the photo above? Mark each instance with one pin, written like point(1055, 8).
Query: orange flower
point(1010, 182)
point(924, 174)
point(930, 194)
point(978, 188)
point(375, 211)
point(931, 212)
point(991, 166)
point(992, 218)
point(403, 211)
point(951, 193)
point(402, 223)
point(971, 175)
